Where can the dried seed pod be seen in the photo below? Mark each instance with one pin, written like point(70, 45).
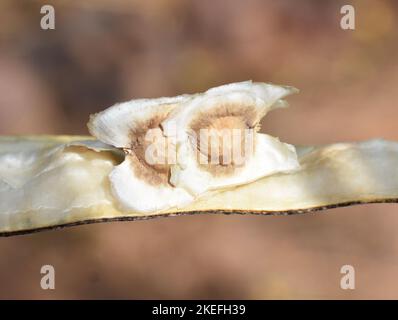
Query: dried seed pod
point(154, 160)
point(66, 183)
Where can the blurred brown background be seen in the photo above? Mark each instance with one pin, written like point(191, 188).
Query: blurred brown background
point(103, 52)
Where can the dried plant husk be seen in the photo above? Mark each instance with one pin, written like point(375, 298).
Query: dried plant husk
point(48, 182)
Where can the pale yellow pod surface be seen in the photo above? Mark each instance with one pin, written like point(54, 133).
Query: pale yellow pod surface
point(48, 181)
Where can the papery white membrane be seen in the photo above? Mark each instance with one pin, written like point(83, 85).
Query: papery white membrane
point(271, 156)
point(134, 194)
point(113, 125)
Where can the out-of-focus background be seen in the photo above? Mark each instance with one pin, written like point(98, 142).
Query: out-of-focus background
point(103, 52)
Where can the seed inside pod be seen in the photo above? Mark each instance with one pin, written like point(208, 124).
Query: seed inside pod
point(224, 137)
point(217, 141)
point(141, 182)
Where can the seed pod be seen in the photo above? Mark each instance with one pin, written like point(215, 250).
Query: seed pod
point(152, 159)
point(48, 182)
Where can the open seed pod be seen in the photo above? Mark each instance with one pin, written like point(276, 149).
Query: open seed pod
point(143, 168)
point(49, 182)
